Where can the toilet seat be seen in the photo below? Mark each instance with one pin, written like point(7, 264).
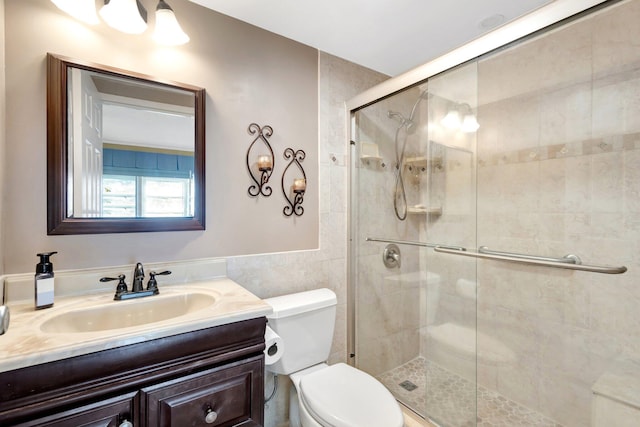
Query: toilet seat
point(342, 396)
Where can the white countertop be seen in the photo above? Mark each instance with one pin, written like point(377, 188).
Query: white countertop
point(25, 344)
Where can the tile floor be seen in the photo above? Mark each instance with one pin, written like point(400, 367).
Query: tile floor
point(450, 400)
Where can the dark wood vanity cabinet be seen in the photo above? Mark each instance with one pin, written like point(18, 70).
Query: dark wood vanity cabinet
point(220, 396)
point(107, 413)
point(210, 377)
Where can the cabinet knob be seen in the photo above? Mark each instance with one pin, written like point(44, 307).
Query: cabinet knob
point(126, 423)
point(211, 416)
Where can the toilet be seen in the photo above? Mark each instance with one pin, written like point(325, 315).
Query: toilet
point(324, 396)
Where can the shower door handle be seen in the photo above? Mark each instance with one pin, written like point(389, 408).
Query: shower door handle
point(533, 260)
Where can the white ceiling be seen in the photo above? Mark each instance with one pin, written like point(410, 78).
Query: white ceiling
point(164, 129)
point(389, 36)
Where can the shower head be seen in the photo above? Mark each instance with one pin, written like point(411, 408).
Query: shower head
point(395, 115)
point(408, 123)
point(424, 94)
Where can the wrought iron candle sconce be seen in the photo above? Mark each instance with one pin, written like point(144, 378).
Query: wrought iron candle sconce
point(299, 184)
point(265, 162)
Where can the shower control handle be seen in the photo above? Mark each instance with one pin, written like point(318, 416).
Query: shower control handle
point(391, 256)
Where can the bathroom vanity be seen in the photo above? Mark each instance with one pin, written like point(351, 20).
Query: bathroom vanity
point(213, 374)
point(203, 367)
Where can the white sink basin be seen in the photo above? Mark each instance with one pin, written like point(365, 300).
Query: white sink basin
point(86, 323)
point(124, 314)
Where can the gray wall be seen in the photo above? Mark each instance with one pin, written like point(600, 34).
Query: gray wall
point(2, 132)
point(250, 75)
point(278, 274)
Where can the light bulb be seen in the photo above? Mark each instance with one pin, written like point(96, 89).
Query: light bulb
point(82, 10)
point(168, 31)
point(469, 123)
point(452, 120)
point(125, 16)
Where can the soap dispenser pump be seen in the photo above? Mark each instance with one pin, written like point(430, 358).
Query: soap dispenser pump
point(44, 281)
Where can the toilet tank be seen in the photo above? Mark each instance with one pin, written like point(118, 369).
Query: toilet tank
point(305, 322)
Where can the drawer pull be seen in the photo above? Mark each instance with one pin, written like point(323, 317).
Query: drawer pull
point(211, 416)
point(126, 423)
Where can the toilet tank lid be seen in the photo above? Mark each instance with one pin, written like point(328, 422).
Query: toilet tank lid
point(292, 304)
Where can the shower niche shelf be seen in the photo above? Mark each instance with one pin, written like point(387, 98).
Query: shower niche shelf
point(424, 210)
point(366, 159)
point(422, 163)
point(370, 154)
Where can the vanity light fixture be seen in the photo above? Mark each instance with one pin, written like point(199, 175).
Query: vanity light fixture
point(82, 10)
point(167, 29)
point(128, 16)
point(461, 117)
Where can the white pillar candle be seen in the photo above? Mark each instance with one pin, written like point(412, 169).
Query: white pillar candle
point(265, 162)
point(299, 184)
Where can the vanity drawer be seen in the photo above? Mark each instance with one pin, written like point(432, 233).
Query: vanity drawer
point(107, 413)
point(229, 391)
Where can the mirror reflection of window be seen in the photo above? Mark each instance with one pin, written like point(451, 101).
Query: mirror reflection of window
point(170, 197)
point(141, 196)
point(119, 194)
point(143, 183)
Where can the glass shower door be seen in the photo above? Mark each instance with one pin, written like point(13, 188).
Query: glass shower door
point(413, 189)
point(499, 190)
point(448, 329)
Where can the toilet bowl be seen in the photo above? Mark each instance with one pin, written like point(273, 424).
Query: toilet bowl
point(324, 395)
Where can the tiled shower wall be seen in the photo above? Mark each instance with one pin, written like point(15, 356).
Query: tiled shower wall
point(559, 172)
point(270, 275)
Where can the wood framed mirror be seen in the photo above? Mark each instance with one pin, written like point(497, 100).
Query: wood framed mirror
point(125, 151)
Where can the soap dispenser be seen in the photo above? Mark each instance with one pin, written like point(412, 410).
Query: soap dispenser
point(44, 281)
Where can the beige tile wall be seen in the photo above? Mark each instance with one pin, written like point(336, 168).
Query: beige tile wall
point(558, 156)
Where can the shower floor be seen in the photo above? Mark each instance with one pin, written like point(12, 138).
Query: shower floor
point(450, 399)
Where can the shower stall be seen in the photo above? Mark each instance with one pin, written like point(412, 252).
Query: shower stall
point(495, 227)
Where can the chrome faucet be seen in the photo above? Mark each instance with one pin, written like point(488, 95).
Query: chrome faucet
point(138, 278)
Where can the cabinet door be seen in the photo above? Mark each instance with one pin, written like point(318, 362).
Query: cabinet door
point(227, 396)
point(107, 413)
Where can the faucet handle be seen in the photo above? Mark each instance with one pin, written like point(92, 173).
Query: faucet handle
point(122, 286)
point(152, 285)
